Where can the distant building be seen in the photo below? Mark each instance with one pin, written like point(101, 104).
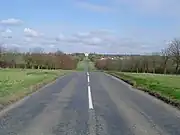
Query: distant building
point(86, 54)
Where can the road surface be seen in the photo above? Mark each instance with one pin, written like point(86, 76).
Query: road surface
point(92, 103)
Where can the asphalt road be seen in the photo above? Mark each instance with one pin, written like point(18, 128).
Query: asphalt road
point(89, 104)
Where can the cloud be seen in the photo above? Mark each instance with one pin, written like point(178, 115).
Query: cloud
point(94, 7)
point(101, 41)
point(101, 38)
point(6, 34)
point(32, 33)
point(92, 39)
point(11, 22)
point(108, 41)
point(61, 37)
point(82, 34)
point(8, 31)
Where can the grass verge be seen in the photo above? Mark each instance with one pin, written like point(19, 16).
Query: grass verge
point(85, 65)
point(17, 83)
point(82, 65)
point(163, 87)
point(91, 66)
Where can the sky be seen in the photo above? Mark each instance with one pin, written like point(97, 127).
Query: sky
point(100, 26)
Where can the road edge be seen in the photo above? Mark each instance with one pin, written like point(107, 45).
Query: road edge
point(17, 103)
point(151, 93)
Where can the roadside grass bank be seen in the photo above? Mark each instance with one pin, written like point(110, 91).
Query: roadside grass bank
point(163, 87)
point(17, 83)
point(91, 66)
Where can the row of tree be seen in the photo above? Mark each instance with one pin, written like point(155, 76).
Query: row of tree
point(166, 61)
point(37, 60)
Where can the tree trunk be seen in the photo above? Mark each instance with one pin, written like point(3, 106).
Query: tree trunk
point(147, 68)
point(137, 70)
point(144, 68)
point(154, 67)
point(177, 67)
point(165, 70)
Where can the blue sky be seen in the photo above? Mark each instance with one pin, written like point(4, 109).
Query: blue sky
point(102, 26)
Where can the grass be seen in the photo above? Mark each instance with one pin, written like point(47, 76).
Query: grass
point(16, 83)
point(82, 65)
point(86, 63)
point(165, 85)
point(91, 65)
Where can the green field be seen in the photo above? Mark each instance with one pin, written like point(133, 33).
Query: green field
point(16, 83)
point(166, 85)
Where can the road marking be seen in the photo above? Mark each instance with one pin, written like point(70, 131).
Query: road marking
point(90, 98)
point(91, 111)
point(88, 79)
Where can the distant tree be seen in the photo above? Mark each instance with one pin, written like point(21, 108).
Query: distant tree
point(137, 63)
point(1, 51)
point(165, 57)
point(58, 52)
point(174, 49)
point(37, 57)
point(145, 64)
point(154, 59)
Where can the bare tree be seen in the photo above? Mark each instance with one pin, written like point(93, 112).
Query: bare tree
point(134, 63)
point(154, 59)
point(145, 64)
point(37, 57)
point(175, 53)
point(137, 63)
point(1, 51)
point(165, 57)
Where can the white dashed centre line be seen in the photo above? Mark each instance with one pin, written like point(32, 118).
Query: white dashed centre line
point(90, 98)
point(88, 79)
point(89, 93)
point(91, 111)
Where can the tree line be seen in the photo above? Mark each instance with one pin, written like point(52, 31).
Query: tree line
point(37, 59)
point(165, 62)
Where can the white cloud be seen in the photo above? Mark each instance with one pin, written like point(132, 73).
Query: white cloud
point(96, 40)
point(6, 34)
point(32, 33)
point(11, 22)
point(82, 34)
point(8, 31)
point(100, 39)
point(92, 41)
point(27, 39)
point(61, 37)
